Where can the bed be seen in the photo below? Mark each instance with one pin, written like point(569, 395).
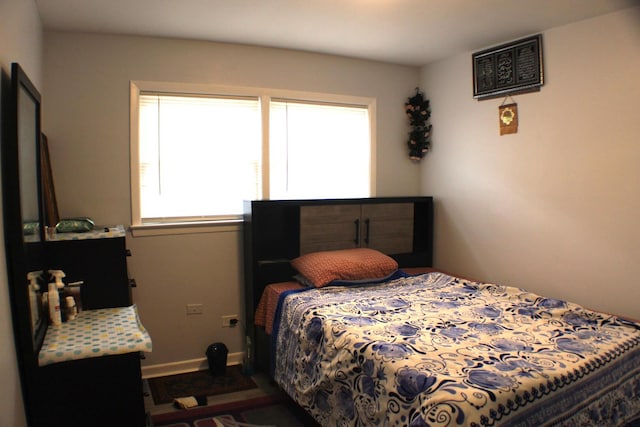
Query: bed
point(361, 345)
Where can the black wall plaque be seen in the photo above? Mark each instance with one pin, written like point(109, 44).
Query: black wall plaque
point(509, 68)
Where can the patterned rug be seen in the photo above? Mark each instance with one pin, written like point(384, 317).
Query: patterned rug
point(199, 383)
point(272, 410)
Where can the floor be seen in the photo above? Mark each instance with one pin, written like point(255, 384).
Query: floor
point(265, 387)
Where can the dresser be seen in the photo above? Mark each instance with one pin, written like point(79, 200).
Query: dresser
point(89, 368)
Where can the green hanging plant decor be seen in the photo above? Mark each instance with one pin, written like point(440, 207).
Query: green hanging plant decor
point(418, 112)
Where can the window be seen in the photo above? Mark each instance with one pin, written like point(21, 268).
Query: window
point(318, 150)
point(198, 152)
point(199, 156)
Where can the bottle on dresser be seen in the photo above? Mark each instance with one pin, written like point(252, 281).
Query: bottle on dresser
point(54, 305)
point(62, 300)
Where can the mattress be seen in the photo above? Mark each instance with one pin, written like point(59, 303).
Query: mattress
point(437, 350)
point(268, 304)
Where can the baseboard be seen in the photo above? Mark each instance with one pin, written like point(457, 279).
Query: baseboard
point(173, 368)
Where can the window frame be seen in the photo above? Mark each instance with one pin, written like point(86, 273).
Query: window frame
point(264, 95)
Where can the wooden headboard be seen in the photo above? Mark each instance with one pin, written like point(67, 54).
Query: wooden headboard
point(277, 231)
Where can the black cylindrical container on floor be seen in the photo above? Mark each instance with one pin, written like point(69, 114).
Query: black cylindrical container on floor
point(217, 357)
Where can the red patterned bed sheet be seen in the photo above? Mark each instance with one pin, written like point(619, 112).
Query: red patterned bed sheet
point(266, 309)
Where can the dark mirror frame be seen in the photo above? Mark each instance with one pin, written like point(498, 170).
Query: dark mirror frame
point(24, 253)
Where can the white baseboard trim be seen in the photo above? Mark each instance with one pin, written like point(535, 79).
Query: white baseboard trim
point(173, 368)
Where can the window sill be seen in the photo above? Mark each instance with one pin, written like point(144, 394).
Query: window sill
point(166, 229)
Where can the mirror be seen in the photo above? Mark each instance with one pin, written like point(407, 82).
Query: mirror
point(24, 232)
point(28, 157)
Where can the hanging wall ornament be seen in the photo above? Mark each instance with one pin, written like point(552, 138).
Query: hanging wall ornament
point(508, 114)
point(417, 109)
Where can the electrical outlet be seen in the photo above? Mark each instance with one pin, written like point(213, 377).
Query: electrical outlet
point(229, 321)
point(194, 309)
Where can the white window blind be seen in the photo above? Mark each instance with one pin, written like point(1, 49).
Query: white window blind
point(319, 150)
point(199, 156)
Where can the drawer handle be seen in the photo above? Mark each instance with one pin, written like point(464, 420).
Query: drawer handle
point(128, 252)
point(132, 283)
point(357, 239)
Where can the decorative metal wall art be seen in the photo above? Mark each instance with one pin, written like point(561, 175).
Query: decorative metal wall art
point(417, 109)
point(509, 68)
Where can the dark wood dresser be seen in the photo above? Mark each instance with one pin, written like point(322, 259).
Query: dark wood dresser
point(96, 391)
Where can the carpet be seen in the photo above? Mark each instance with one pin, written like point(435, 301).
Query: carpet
point(275, 410)
point(199, 383)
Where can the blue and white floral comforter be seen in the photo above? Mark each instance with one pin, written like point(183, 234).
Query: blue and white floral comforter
point(434, 350)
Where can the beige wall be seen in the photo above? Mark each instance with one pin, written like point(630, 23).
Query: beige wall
point(553, 208)
point(86, 118)
point(21, 41)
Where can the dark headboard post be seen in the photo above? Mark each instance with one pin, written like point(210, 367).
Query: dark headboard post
point(271, 239)
point(249, 309)
point(272, 230)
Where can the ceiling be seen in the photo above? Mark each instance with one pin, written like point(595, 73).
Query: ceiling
point(411, 32)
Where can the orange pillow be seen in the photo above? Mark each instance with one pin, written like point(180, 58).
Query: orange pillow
point(321, 268)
